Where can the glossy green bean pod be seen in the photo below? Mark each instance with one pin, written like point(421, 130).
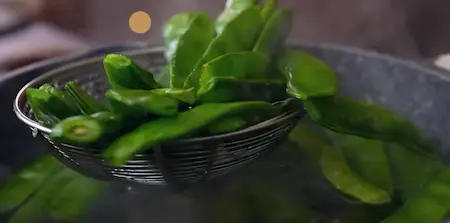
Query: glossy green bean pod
point(237, 35)
point(186, 36)
point(83, 130)
point(16, 189)
point(37, 100)
point(366, 158)
point(336, 170)
point(123, 73)
point(188, 96)
point(410, 170)
point(269, 9)
point(241, 121)
point(240, 4)
point(274, 34)
point(163, 77)
point(62, 96)
point(431, 205)
point(246, 65)
point(165, 129)
point(85, 103)
point(232, 9)
point(367, 120)
point(307, 76)
point(47, 108)
point(73, 200)
point(221, 89)
point(256, 202)
point(35, 208)
point(134, 103)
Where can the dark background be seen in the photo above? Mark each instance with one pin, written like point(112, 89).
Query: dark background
point(409, 28)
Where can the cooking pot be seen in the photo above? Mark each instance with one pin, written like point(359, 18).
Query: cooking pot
point(417, 91)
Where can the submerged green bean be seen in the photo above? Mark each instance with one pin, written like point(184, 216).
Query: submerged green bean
point(35, 208)
point(73, 200)
point(432, 204)
point(366, 157)
point(335, 167)
point(410, 170)
point(367, 120)
point(16, 189)
point(336, 170)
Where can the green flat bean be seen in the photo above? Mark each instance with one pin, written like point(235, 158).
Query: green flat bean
point(269, 9)
point(163, 77)
point(36, 207)
point(47, 108)
point(186, 37)
point(307, 76)
point(60, 95)
point(232, 9)
point(166, 129)
point(336, 170)
point(229, 125)
point(238, 35)
point(85, 103)
point(188, 96)
point(410, 170)
point(367, 120)
point(37, 99)
point(366, 157)
point(137, 103)
point(123, 74)
point(274, 33)
point(73, 200)
point(253, 202)
point(86, 130)
point(23, 183)
point(221, 89)
point(307, 142)
point(241, 121)
point(431, 205)
point(241, 65)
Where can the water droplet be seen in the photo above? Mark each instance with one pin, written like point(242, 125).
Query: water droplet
point(34, 132)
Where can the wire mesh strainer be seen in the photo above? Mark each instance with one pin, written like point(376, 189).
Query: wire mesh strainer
point(184, 161)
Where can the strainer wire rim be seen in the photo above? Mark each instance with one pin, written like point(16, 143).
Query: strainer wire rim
point(20, 99)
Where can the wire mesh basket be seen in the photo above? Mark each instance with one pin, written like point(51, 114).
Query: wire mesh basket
point(183, 161)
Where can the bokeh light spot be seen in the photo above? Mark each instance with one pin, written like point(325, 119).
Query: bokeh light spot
point(140, 22)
